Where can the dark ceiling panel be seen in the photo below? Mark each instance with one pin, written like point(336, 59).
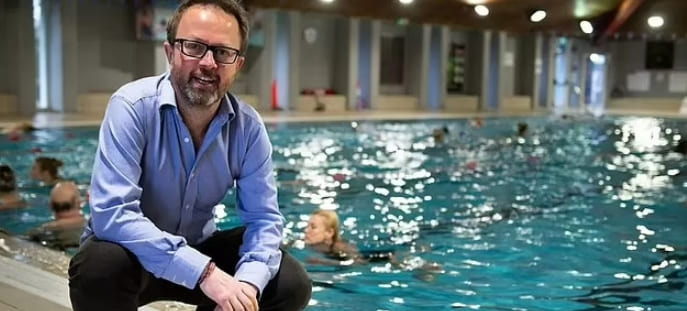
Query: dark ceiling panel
point(511, 15)
point(672, 11)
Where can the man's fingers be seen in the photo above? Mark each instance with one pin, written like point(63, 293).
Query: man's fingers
point(227, 306)
point(247, 302)
point(237, 304)
point(252, 298)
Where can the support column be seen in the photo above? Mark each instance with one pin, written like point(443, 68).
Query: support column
point(25, 56)
point(486, 68)
point(353, 40)
point(424, 57)
point(282, 57)
point(262, 73)
point(438, 59)
point(375, 64)
point(506, 63)
point(537, 70)
point(295, 33)
point(364, 80)
point(417, 61)
point(552, 72)
point(444, 34)
point(63, 56)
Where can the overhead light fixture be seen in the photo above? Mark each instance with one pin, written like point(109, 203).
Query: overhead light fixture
point(481, 10)
point(655, 21)
point(586, 27)
point(405, 1)
point(327, 1)
point(597, 58)
point(538, 16)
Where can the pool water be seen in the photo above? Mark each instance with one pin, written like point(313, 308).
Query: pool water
point(584, 214)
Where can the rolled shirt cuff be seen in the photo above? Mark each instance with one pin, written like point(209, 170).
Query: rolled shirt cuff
point(186, 267)
point(255, 273)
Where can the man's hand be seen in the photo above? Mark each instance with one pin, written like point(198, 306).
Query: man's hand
point(228, 293)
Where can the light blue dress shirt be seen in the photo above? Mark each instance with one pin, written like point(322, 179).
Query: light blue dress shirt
point(152, 193)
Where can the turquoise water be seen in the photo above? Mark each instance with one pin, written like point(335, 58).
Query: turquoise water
point(578, 215)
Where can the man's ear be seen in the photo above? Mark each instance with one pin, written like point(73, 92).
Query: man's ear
point(239, 63)
point(169, 51)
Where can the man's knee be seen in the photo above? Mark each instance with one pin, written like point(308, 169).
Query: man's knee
point(99, 263)
point(298, 282)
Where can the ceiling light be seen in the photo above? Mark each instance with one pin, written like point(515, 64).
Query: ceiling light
point(586, 27)
point(655, 21)
point(481, 10)
point(327, 1)
point(597, 59)
point(405, 1)
point(538, 16)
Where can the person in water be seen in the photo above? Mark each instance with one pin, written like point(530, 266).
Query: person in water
point(46, 170)
point(68, 224)
point(9, 196)
point(322, 235)
point(439, 134)
point(522, 129)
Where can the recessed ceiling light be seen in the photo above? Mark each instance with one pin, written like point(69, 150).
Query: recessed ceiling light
point(655, 21)
point(597, 58)
point(405, 1)
point(481, 10)
point(538, 16)
point(586, 27)
point(327, 1)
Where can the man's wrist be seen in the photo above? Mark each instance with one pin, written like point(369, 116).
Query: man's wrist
point(206, 272)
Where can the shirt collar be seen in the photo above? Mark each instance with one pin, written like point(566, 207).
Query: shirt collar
point(167, 97)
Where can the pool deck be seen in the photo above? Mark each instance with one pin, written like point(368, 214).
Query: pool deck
point(28, 287)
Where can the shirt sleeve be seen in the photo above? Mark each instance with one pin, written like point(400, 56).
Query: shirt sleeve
point(260, 256)
point(116, 214)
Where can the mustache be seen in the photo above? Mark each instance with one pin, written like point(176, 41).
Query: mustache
point(210, 75)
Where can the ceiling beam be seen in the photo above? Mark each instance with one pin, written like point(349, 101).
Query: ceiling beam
point(624, 12)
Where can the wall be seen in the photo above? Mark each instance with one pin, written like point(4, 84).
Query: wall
point(389, 29)
point(109, 54)
point(318, 59)
point(524, 65)
point(17, 58)
point(474, 59)
point(412, 67)
point(627, 57)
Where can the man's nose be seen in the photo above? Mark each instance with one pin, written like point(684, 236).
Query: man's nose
point(208, 60)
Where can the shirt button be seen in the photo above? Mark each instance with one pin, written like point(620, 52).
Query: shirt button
point(186, 140)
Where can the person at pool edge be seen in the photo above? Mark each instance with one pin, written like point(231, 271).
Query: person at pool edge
point(169, 149)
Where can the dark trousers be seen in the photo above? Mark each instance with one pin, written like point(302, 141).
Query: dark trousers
point(105, 276)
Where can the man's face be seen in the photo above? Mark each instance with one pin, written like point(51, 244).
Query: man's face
point(202, 81)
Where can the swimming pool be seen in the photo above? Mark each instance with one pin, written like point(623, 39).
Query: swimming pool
point(578, 215)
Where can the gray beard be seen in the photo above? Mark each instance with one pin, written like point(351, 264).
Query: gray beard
point(200, 99)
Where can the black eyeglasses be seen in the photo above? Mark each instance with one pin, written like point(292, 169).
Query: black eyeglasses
point(221, 54)
point(59, 207)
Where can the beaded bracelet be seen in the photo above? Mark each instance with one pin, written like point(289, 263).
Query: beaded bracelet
point(210, 267)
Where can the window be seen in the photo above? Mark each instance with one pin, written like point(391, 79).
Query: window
point(392, 60)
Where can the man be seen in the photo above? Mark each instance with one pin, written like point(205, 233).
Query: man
point(64, 231)
point(169, 149)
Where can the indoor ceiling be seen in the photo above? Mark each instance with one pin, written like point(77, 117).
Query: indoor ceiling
point(563, 16)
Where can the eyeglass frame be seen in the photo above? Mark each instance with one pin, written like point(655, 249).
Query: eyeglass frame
point(208, 47)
